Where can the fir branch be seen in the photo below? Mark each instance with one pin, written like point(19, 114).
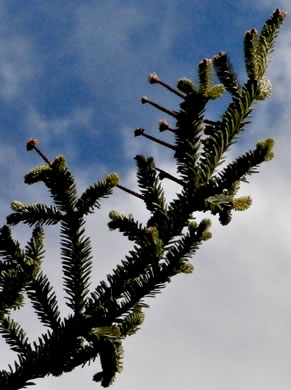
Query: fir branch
point(61, 351)
point(126, 225)
point(267, 39)
point(12, 284)
point(34, 249)
point(111, 361)
point(89, 200)
point(180, 211)
point(162, 249)
point(14, 335)
point(259, 47)
point(250, 54)
point(232, 123)
point(53, 354)
point(205, 75)
point(44, 301)
point(186, 86)
point(58, 180)
point(226, 74)
point(182, 249)
point(130, 324)
point(149, 282)
point(76, 261)
point(114, 295)
point(156, 276)
point(10, 249)
point(150, 185)
point(243, 166)
point(18, 269)
point(218, 203)
point(188, 135)
point(111, 353)
point(34, 214)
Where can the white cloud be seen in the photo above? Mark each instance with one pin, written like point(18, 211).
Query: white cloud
point(17, 65)
point(48, 129)
point(120, 44)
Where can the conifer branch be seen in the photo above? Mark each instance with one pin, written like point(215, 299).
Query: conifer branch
point(89, 200)
point(126, 225)
point(233, 122)
point(34, 214)
point(102, 318)
point(44, 301)
point(14, 335)
point(77, 262)
point(150, 185)
point(226, 74)
point(205, 75)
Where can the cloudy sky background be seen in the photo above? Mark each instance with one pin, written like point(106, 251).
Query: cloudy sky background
point(71, 75)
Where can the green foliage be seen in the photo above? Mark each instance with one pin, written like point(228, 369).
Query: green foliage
point(100, 319)
point(226, 74)
point(258, 47)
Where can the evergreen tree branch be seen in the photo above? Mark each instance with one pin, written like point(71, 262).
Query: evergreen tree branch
point(205, 75)
point(14, 335)
point(130, 324)
point(34, 249)
point(233, 122)
point(13, 279)
point(62, 351)
point(10, 250)
point(90, 198)
point(251, 54)
point(126, 225)
point(243, 166)
point(33, 214)
point(145, 274)
point(226, 74)
point(111, 353)
point(60, 182)
point(267, 40)
point(188, 136)
point(162, 249)
point(76, 260)
point(44, 301)
point(151, 189)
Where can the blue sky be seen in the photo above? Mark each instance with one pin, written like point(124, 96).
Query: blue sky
point(71, 75)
